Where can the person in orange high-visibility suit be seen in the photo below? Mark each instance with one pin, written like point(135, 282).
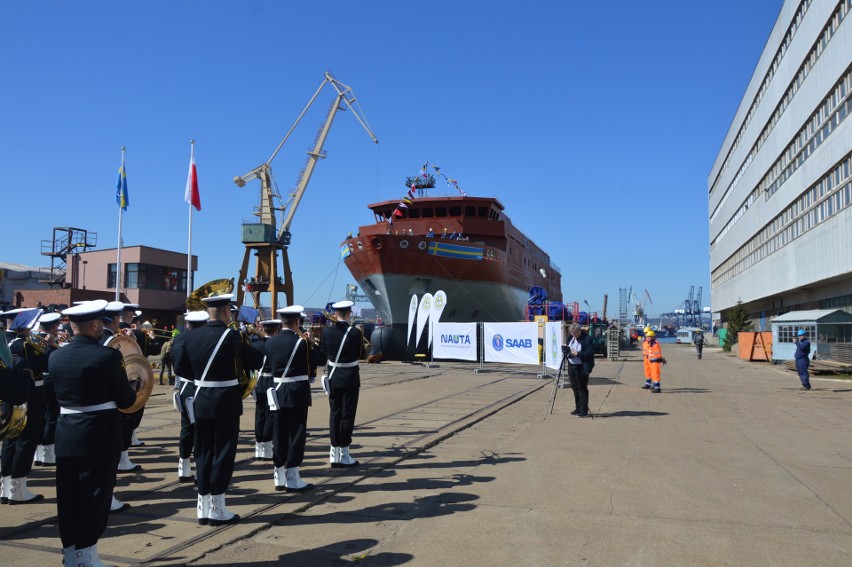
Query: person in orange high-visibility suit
point(647, 365)
point(654, 359)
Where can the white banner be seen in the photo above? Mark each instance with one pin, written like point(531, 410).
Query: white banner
point(439, 301)
point(455, 340)
point(412, 314)
point(516, 343)
point(553, 344)
point(422, 315)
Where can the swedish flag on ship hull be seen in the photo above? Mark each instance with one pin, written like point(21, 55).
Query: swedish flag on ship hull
point(448, 250)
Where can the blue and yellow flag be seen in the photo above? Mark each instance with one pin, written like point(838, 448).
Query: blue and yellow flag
point(122, 198)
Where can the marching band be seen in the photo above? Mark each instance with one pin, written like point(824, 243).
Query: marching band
point(79, 389)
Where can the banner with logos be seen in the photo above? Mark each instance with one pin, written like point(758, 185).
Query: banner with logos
point(423, 311)
point(412, 314)
point(439, 301)
point(553, 344)
point(516, 343)
point(455, 340)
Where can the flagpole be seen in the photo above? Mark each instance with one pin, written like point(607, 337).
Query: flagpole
point(120, 212)
point(189, 278)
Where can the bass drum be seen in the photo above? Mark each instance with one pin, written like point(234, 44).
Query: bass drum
point(386, 341)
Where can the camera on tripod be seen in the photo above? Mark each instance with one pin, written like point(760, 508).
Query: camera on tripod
point(566, 350)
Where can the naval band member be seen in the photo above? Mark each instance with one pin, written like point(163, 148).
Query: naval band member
point(214, 356)
point(263, 419)
point(185, 390)
point(90, 384)
point(291, 359)
point(343, 345)
point(16, 460)
point(45, 454)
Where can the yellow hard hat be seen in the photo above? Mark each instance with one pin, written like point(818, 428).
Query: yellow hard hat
point(650, 333)
point(646, 329)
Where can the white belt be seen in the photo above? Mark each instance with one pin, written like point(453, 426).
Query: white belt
point(343, 364)
point(266, 375)
point(187, 380)
point(291, 379)
point(39, 383)
point(216, 384)
point(87, 409)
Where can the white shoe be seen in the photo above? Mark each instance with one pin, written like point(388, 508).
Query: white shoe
point(258, 449)
point(184, 470)
point(266, 451)
point(20, 494)
point(117, 505)
point(334, 456)
point(203, 509)
point(219, 514)
point(38, 458)
point(135, 442)
point(5, 488)
point(279, 476)
point(126, 465)
point(346, 461)
point(49, 455)
point(294, 482)
point(88, 557)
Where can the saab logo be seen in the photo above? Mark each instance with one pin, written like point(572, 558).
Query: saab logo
point(519, 343)
point(455, 339)
point(497, 342)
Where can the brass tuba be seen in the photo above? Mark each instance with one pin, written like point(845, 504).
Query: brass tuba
point(13, 418)
point(139, 371)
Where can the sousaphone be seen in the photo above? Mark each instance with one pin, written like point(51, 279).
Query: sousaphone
point(139, 371)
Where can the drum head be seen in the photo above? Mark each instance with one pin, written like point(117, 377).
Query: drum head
point(141, 378)
point(125, 345)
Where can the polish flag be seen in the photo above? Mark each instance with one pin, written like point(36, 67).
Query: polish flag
point(191, 194)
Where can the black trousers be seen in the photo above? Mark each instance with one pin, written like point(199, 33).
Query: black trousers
point(186, 441)
point(264, 421)
point(131, 421)
point(289, 436)
point(580, 385)
point(84, 488)
point(16, 459)
point(51, 413)
point(342, 403)
point(215, 451)
point(166, 364)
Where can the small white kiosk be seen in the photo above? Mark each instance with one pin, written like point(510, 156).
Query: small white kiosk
point(824, 327)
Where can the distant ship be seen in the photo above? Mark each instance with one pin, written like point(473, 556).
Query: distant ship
point(465, 246)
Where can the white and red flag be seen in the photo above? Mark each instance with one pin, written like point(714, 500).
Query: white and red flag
point(191, 195)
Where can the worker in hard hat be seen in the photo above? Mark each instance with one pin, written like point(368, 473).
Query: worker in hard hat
point(654, 359)
point(645, 363)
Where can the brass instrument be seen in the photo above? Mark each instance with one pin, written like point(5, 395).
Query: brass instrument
point(13, 418)
point(139, 371)
point(248, 378)
point(214, 287)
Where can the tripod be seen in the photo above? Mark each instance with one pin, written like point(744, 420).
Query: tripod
point(556, 384)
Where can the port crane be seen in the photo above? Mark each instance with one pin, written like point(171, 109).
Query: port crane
point(639, 316)
point(264, 238)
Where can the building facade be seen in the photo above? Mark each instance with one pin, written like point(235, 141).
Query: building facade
point(780, 191)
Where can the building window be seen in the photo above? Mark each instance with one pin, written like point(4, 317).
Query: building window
point(148, 276)
point(111, 277)
point(786, 333)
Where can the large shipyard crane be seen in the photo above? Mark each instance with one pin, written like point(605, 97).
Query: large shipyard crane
point(264, 238)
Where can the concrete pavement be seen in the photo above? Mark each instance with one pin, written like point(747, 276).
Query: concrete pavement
point(731, 465)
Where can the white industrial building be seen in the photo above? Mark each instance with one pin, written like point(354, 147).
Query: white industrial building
point(781, 187)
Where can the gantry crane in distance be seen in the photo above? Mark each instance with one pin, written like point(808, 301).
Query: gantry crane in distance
point(264, 238)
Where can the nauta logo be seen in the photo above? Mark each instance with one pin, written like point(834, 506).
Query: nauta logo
point(498, 342)
point(455, 339)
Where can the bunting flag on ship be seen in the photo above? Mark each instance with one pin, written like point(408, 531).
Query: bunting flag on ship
point(448, 250)
point(345, 251)
point(409, 197)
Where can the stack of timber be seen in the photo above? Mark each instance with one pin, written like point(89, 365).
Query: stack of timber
point(840, 361)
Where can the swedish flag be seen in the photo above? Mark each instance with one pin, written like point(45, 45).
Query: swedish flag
point(122, 198)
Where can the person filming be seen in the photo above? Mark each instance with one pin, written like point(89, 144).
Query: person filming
point(581, 361)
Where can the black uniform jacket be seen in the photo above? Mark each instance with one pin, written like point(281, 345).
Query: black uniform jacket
point(587, 352)
point(264, 381)
point(16, 386)
point(86, 373)
point(186, 390)
point(352, 350)
point(278, 351)
point(190, 359)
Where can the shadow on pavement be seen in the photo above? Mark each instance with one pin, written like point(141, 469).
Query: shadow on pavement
point(341, 554)
point(631, 414)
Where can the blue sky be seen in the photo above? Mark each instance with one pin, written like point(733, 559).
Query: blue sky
point(595, 123)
